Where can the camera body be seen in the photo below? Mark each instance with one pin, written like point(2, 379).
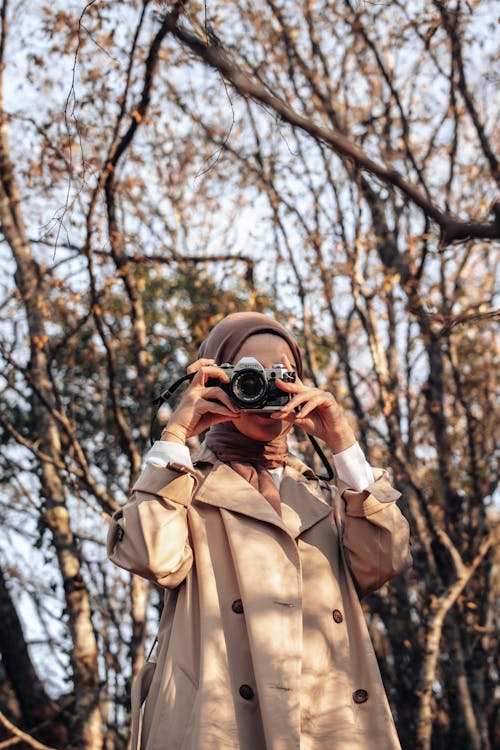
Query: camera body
point(252, 387)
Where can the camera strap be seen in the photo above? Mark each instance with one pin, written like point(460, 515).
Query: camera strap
point(329, 470)
point(158, 402)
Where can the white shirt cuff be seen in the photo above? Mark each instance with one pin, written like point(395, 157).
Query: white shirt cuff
point(353, 468)
point(351, 465)
point(164, 452)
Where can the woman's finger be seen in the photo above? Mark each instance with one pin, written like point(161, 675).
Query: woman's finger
point(218, 395)
point(310, 406)
point(285, 361)
point(290, 387)
point(210, 419)
point(300, 398)
point(209, 371)
point(214, 407)
point(195, 366)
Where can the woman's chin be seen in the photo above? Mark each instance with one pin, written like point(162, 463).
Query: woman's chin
point(259, 426)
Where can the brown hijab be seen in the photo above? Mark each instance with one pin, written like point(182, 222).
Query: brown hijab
point(248, 457)
point(226, 338)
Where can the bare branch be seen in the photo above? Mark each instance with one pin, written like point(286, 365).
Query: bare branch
point(469, 318)
point(440, 608)
point(452, 228)
point(451, 26)
point(20, 736)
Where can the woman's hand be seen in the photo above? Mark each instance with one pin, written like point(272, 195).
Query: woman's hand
point(198, 410)
point(317, 412)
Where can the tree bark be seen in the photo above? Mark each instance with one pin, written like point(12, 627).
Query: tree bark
point(37, 709)
point(30, 280)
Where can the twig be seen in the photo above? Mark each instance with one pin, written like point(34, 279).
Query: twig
point(20, 736)
point(452, 228)
point(493, 314)
point(439, 610)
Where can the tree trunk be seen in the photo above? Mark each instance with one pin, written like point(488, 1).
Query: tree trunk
point(30, 280)
point(37, 709)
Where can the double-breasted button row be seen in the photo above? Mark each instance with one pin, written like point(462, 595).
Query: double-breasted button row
point(337, 615)
point(237, 606)
point(360, 696)
point(246, 692)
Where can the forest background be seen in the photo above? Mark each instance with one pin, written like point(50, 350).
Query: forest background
point(163, 164)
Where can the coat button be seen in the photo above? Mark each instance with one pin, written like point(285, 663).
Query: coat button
point(119, 534)
point(237, 606)
point(246, 692)
point(337, 615)
point(360, 696)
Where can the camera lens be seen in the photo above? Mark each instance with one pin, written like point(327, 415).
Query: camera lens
point(249, 387)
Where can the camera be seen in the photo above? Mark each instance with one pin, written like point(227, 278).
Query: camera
point(253, 387)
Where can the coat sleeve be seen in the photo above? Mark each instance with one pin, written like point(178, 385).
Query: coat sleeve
point(375, 534)
point(149, 535)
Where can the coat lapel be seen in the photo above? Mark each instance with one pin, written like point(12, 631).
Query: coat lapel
point(225, 488)
point(302, 497)
point(300, 494)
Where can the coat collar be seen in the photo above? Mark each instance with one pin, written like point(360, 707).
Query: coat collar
point(300, 492)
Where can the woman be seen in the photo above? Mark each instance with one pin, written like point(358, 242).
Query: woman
point(262, 643)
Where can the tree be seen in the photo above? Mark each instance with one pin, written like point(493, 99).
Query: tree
point(164, 164)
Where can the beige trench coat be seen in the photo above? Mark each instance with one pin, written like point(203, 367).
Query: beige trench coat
point(262, 642)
